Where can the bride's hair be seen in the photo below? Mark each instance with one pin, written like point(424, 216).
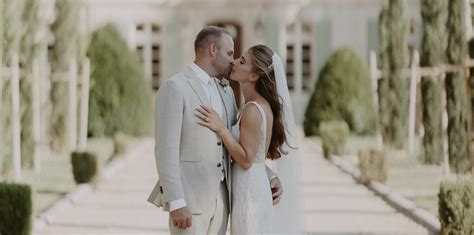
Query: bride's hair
point(261, 57)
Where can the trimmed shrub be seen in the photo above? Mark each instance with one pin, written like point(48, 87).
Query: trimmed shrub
point(334, 137)
point(373, 165)
point(16, 208)
point(120, 97)
point(84, 167)
point(456, 205)
point(120, 143)
point(343, 92)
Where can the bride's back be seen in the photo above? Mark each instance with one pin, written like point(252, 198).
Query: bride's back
point(269, 119)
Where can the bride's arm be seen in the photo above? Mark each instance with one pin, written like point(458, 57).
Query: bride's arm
point(245, 151)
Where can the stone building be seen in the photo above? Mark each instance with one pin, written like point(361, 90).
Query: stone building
point(303, 32)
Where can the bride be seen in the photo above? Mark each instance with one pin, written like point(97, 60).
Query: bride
point(265, 130)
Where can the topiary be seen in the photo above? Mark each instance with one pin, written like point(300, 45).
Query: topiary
point(16, 209)
point(456, 205)
point(120, 97)
point(373, 165)
point(334, 136)
point(343, 92)
point(84, 167)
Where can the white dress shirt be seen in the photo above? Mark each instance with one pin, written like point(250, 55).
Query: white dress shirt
point(212, 94)
point(209, 86)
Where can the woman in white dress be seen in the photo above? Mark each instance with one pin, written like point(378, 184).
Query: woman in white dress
point(259, 134)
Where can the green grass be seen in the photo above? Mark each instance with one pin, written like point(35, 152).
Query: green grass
point(416, 181)
point(407, 175)
point(56, 179)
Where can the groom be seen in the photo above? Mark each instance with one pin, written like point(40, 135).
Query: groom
point(193, 165)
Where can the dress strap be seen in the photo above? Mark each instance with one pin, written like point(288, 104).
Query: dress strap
point(261, 112)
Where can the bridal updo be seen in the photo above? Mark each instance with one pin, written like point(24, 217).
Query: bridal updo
point(262, 65)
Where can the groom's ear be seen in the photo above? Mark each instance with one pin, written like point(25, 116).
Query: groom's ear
point(213, 49)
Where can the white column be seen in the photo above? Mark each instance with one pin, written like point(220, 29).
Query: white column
point(36, 89)
point(444, 122)
point(45, 90)
point(46, 14)
point(15, 92)
point(131, 36)
point(72, 109)
point(375, 96)
point(187, 37)
point(84, 105)
point(298, 60)
point(468, 19)
point(147, 56)
point(412, 107)
point(282, 40)
point(1, 96)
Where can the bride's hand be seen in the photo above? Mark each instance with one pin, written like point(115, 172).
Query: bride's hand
point(209, 118)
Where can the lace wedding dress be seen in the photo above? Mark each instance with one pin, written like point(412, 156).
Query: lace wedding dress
point(252, 206)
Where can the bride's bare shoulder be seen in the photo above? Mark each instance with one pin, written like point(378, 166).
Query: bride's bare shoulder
point(251, 115)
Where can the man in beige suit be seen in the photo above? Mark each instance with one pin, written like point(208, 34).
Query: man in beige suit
point(193, 166)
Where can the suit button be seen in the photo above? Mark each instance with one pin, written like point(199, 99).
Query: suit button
point(219, 143)
point(219, 164)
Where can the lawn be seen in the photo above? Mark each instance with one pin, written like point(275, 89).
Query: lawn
point(55, 179)
point(407, 175)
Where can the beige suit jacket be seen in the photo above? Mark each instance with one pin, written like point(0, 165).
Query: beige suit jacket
point(189, 156)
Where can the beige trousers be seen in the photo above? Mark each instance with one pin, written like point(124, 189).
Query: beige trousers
point(213, 221)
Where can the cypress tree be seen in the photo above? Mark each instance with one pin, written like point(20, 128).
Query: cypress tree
point(12, 31)
point(65, 48)
point(29, 52)
point(383, 88)
point(433, 14)
point(456, 94)
point(2, 154)
point(398, 60)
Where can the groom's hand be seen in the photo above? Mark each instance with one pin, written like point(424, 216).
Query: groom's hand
point(181, 218)
point(277, 190)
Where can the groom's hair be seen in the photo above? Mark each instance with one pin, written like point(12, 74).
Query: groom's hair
point(208, 35)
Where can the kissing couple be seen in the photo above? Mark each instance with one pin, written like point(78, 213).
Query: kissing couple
point(211, 155)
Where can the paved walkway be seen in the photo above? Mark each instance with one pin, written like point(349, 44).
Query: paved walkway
point(334, 203)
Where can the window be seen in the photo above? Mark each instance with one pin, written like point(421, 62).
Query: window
point(149, 38)
point(140, 27)
point(306, 56)
point(140, 53)
point(155, 67)
point(155, 28)
point(289, 66)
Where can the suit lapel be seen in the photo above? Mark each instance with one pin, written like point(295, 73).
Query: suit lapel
point(196, 86)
